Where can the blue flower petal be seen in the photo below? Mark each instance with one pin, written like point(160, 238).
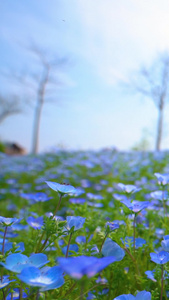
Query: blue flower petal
point(76, 222)
point(46, 278)
point(143, 295)
point(62, 188)
point(125, 297)
point(110, 248)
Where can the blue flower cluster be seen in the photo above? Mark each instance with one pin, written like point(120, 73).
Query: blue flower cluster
point(69, 246)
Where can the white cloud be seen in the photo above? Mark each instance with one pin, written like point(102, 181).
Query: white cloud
point(119, 35)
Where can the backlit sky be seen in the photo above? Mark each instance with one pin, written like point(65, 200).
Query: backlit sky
point(105, 41)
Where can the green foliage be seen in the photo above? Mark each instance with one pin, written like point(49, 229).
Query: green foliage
point(2, 147)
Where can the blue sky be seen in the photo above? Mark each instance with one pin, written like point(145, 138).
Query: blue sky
point(105, 40)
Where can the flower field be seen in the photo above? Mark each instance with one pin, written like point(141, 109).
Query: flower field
point(84, 225)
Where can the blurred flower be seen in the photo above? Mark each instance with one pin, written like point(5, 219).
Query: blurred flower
point(94, 197)
point(37, 197)
point(128, 188)
point(77, 200)
point(8, 221)
point(73, 247)
point(79, 266)
point(17, 262)
point(16, 294)
point(94, 204)
point(136, 206)
point(9, 245)
point(112, 225)
point(163, 179)
point(165, 243)
point(76, 222)
point(5, 281)
point(81, 239)
point(139, 242)
point(150, 275)
point(36, 223)
point(159, 195)
point(46, 278)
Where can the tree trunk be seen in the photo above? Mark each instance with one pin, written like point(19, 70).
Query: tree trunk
point(159, 128)
point(38, 109)
point(36, 127)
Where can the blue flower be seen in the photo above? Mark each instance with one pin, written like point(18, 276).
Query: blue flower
point(112, 225)
point(16, 294)
point(94, 197)
point(143, 295)
point(163, 179)
point(17, 262)
point(9, 246)
point(136, 206)
point(125, 297)
point(79, 266)
point(77, 200)
point(150, 275)
point(81, 239)
point(5, 281)
point(34, 198)
point(165, 243)
point(8, 221)
point(159, 195)
point(46, 278)
point(110, 248)
point(160, 258)
point(62, 189)
point(73, 247)
point(36, 223)
point(128, 188)
point(139, 242)
point(74, 223)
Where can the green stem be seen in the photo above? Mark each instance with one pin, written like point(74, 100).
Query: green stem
point(44, 244)
point(86, 292)
point(134, 233)
point(4, 297)
point(70, 290)
point(133, 259)
point(81, 291)
point(129, 253)
point(164, 206)
point(162, 282)
point(39, 243)
point(42, 236)
point(3, 245)
point(2, 271)
point(20, 292)
point(37, 295)
point(57, 206)
point(103, 242)
point(67, 252)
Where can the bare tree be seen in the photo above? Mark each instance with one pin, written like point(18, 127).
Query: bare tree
point(41, 83)
point(9, 105)
point(46, 80)
point(153, 82)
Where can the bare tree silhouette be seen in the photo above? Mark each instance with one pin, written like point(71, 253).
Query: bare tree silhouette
point(9, 105)
point(153, 82)
point(38, 84)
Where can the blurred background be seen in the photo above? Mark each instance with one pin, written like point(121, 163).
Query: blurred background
point(84, 74)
